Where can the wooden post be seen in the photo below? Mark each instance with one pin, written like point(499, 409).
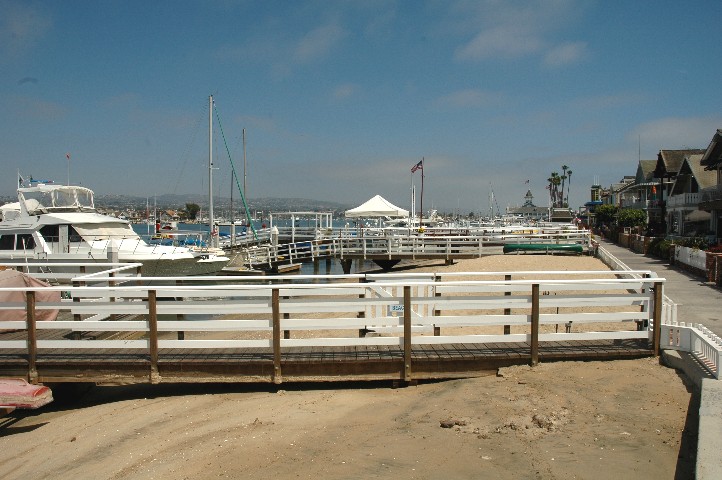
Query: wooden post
point(180, 316)
point(276, 308)
point(111, 283)
point(76, 316)
point(437, 313)
point(286, 316)
point(657, 332)
point(32, 336)
point(534, 324)
point(362, 331)
point(153, 335)
point(407, 333)
point(507, 311)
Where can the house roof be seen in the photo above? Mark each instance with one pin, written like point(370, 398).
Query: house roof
point(705, 178)
point(692, 171)
point(669, 161)
point(647, 169)
point(713, 155)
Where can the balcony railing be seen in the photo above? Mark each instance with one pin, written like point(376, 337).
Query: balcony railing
point(683, 200)
point(642, 205)
point(711, 194)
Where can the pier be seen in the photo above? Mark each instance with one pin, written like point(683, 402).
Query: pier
point(388, 247)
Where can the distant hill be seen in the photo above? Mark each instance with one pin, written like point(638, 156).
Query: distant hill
point(174, 201)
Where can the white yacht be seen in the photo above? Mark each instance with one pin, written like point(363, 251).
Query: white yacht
point(59, 223)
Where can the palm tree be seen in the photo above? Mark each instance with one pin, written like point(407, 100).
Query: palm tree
point(553, 190)
point(569, 187)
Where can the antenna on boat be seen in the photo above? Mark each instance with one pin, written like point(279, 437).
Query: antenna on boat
point(211, 219)
point(67, 155)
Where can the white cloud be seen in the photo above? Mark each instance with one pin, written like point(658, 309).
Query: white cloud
point(35, 108)
point(505, 41)
point(677, 132)
point(345, 91)
point(467, 98)
point(21, 27)
point(565, 54)
point(509, 30)
point(318, 43)
point(602, 102)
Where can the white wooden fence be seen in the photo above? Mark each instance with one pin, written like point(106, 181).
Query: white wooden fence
point(467, 309)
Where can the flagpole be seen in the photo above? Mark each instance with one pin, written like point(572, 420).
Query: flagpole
point(67, 155)
point(411, 190)
point(421, 215)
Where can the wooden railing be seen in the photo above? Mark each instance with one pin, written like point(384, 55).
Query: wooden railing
point(402, 310)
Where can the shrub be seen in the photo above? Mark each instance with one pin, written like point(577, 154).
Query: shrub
point(694, 242)
point(659, 247)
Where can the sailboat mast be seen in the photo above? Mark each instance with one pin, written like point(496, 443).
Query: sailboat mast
point(211, 219)
point(245, 192)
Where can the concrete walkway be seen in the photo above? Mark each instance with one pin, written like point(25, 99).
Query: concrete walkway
point(697, 300)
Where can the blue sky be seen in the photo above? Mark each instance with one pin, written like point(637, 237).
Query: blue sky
point(340, 99)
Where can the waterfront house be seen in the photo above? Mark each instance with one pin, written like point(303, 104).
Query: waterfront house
point(711, 196)
point(667, 167)
point(683, 214)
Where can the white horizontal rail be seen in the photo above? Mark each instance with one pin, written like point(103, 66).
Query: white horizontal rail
point(345, 308)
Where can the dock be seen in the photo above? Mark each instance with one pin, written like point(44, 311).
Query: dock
point(388, 250)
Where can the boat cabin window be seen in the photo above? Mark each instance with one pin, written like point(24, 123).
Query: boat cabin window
point(7, 242)
point(25, 241)
point(51, 233)
point(21, 241)
point(73, 235)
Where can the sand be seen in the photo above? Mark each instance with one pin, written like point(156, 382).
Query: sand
point(589, 420)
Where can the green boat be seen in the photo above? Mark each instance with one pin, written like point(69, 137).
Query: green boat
point(543, 247)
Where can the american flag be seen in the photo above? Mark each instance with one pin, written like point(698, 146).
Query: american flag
point(419, 165)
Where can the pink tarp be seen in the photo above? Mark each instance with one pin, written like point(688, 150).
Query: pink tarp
point(12, 278)
point(18, 393)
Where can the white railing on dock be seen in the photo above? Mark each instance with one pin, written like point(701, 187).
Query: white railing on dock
point(412, 245)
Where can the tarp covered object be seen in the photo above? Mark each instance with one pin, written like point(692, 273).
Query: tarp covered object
point(18, 393)
point(377, 206)
point(12, 278)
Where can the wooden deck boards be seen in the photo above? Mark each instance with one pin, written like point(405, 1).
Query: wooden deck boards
point(306, 363)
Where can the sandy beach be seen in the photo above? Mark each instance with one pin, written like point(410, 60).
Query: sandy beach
point(587, 420)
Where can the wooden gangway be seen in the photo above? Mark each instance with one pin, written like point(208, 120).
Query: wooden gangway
point(388, 247)
point(403, 327)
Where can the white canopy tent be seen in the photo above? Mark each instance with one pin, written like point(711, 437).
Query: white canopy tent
point(377, 206)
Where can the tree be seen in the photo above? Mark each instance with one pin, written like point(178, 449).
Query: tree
point(605, 213)
point(631, 217)
point(192, 210)
point(569, 185)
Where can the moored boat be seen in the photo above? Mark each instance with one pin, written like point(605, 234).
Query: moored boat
point(59, 223)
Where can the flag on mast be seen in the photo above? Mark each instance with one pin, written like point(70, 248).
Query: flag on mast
point(418, 166)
